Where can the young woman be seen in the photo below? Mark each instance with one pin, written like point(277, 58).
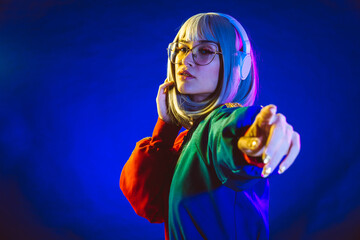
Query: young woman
point(210, 181)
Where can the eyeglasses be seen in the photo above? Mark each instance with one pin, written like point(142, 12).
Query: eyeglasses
point(203, 53)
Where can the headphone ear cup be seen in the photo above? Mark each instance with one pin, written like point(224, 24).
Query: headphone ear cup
point(244, 65)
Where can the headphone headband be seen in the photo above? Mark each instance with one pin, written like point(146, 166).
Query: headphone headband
point(245, 57)
point(241, 31)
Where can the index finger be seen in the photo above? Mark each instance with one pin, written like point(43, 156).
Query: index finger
point(266, 117)
point(164, 86)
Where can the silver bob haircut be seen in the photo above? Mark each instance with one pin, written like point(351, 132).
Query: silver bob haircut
point(230, 88)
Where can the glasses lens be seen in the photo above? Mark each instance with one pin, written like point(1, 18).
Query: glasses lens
point(176, 52)
point(204, 53)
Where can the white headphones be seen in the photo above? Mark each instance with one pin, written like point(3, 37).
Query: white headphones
point(244, 56)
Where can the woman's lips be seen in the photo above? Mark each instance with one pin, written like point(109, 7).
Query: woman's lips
point(185, 77)
point(183, 74)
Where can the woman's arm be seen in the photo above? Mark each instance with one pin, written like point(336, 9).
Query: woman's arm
point(146, 176)
point(239, 137)
point(231, 164)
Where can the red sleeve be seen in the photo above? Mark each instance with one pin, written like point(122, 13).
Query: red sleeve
point(146, 177)
point(256, 161)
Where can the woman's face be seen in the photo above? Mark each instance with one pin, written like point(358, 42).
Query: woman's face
point(195, 80)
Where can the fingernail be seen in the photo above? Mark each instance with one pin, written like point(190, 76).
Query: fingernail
point(282, 169)
point(253, 143)
point(273, 110)
point(266, 159)
point(266, 172)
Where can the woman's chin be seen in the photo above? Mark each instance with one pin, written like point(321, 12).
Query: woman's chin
point(194, 96)
point(182, 89)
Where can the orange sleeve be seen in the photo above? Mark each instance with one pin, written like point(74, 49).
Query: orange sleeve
point(256, 161)
point(145, 178)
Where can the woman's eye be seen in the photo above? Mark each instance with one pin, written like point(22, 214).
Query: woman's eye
point(205, 51)
point(182, 49)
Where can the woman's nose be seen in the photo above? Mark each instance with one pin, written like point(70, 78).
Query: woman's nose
point(188, 59)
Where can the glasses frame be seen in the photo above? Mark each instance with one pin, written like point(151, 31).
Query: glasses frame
point(191, 49)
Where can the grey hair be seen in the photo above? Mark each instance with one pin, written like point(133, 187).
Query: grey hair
point(213, 27)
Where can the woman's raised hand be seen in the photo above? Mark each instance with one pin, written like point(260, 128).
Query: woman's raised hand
point(271, 137)
point(161, 101)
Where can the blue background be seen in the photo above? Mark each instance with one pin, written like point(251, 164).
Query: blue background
point(78, 82)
